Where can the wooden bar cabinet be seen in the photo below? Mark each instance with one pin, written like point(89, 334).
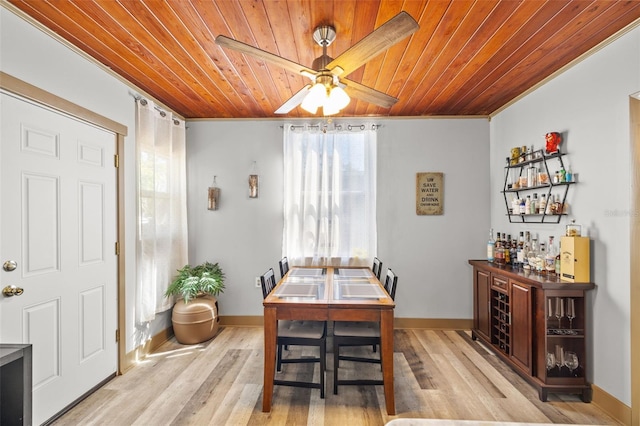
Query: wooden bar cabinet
point(537, 324)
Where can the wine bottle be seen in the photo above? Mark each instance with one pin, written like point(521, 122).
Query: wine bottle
point(491, 247)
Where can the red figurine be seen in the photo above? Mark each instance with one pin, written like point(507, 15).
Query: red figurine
point(553, 140)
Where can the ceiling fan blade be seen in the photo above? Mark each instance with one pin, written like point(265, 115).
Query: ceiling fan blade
point(367, 94)
point(294, 101)
point(386, 35)
point(262, 54)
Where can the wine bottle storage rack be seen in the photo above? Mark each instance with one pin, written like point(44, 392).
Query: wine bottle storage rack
point(501, 321)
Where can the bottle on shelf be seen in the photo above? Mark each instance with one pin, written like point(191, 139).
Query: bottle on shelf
point(550, 208)
point(531, 177)
point(540, 259)
point(523, 206)
point(569, 175)
point(527, 205)
point(559, 208)
point(532, 254)
point(534, 204)
point(506, 246)
point(550, 258)
point(543, 204)
point(491, 247)
point(520, 250)
point(499, 250)
point(514, 252)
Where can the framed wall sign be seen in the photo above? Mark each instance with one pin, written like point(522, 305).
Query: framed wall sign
point(429, 193)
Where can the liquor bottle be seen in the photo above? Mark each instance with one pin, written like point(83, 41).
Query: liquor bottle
point(534, 204)
point(506, 245)
point(558, 204)
point(543, 204)
point(532, 254)
point(550, 258)
point(540, 258)
point(514, 253)
point(549, 209)
point(520, 250)
point(527, 205)
point(499, 250)
point(491, 247)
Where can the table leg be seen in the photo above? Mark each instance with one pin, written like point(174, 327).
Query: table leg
point(270, 338)
point(386, 354)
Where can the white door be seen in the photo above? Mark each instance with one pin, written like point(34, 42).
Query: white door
point(58, 224)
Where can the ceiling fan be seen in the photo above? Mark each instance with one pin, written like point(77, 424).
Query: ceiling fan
point(329, 88)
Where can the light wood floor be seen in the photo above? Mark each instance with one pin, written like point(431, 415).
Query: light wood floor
point(438, 374)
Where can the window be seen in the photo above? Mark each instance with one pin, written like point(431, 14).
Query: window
point(329, 196)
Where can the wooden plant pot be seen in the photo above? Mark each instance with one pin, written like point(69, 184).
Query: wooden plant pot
point(196, 321)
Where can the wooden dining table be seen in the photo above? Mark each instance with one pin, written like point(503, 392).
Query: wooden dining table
point(329, 294)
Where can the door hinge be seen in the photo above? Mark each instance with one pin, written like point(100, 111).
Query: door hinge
point(116, 161)
point(117, 336)
point(117, 248)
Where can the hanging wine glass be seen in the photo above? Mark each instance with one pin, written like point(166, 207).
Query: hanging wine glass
point(571, 361)
point(559, 310)
point(571, 311)
point(549, 311)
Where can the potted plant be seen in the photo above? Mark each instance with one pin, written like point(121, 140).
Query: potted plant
point(195, 314)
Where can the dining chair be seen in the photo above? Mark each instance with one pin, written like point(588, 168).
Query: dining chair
point(359, 333)
point(297, 333)
point(376, 268)
point(284, 266)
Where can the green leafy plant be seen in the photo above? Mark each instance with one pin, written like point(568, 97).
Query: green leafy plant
point(193, 281)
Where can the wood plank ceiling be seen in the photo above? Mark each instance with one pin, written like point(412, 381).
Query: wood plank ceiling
point(468, 58)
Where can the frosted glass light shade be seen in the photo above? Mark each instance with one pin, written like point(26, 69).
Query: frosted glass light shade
point(315, 98)
point(338, 98)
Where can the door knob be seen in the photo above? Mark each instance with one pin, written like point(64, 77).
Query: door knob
point(12, 290)
point(9, 265)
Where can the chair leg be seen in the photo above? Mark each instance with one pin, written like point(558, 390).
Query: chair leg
point(336, 364)
point(279, 359)
point(323, 366)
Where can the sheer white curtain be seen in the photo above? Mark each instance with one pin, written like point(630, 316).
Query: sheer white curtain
point(162, 206)
point(329, 195)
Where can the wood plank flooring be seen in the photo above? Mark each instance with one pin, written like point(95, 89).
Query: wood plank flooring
point(438, 374)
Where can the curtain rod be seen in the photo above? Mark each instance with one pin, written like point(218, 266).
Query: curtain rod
point(162, 112)
point(338, 126)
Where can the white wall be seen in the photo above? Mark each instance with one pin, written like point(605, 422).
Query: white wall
point(32, 56)
point(428, 253)
point(589, 104)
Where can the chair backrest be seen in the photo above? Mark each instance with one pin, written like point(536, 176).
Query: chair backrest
point(390, 283)
point(268, 282)
point(377, 267)
point(284, 266)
